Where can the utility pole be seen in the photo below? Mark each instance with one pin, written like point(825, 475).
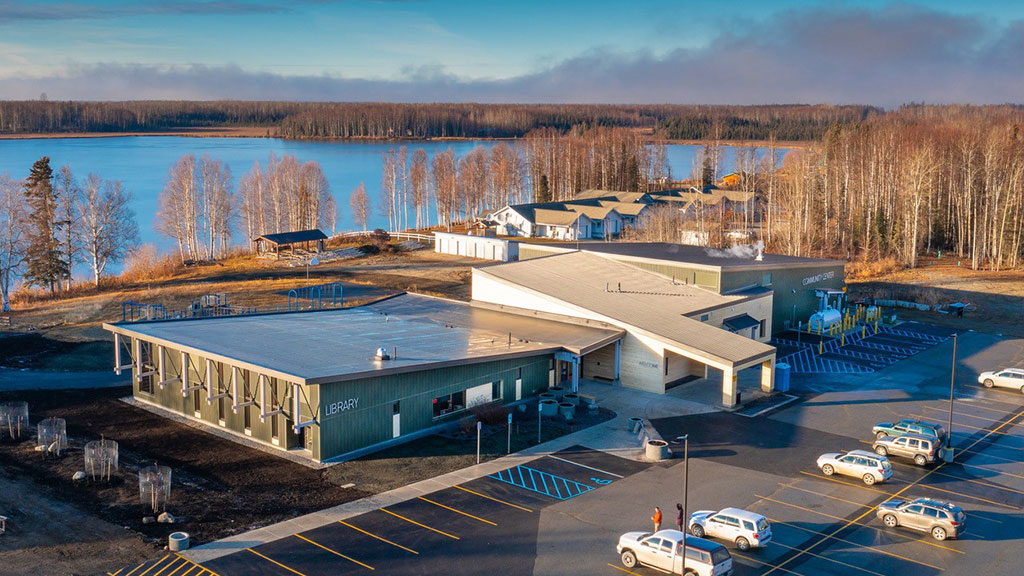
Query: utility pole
point(686, 490)
point(947, 455)
point(479, 425)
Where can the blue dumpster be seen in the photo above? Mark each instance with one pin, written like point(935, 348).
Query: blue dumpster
point(782, 377)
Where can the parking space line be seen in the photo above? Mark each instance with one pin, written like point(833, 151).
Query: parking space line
point(157, 563)
point(493, 498)
point(178, 567)
point(621, 569)
point(994, 443)
point(850, 484)
point(850, 542)
point(763, 563)
point(962, 425)
point(840, 562)
point(979, 498)
point(988, 419)
point(427, 500)
point(868, 526)
point(452, 536)
point(585, 466)
point(907, 487)
point(114, 573)
point(971, 480)
point(335, 552)
point(272, 561)
point(928, 542)
point(381, 538)
point(973, 402)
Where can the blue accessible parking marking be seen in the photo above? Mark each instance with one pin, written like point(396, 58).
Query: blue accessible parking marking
point(541, 482)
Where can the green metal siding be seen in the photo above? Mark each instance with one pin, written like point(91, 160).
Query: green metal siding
point(784, 281)
point(682, 273)
point(170, 398)
point(526, 251)
point(370, 421)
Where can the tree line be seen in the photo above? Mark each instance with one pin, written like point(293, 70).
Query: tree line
point(49, 222)
point(199, 207)
point(314, 120)
point(544, 166)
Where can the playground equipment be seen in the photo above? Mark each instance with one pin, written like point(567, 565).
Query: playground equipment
point(315, 295)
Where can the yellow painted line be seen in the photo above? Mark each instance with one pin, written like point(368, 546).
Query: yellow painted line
point(798, 507)
point(180, 566)
point(493, 498)
point(988, 419)
point(905, 488)
point(840, 562)
point(962, 495)
point(115, 573)
point(272, 561)
point(971, 480)
point(858, 504)
point(621, 569)
point(872, 548)
point(452, 536)
point(169, 564)
point(457, 511)
point(194, 566)
point(135, 569)
point(381, 538)
point(157, 563)
point(763, 563)
point(862, 486)
point(335, 552)
point(884, 531)
point(972, 401)
point(962, 425)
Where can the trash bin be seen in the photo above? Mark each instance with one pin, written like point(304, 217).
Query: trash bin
point(549, 407)
point(782, 371)
point(635, 424)
point(656, 450)
point(178, 541)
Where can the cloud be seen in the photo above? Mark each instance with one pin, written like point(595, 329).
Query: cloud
point(885, 57)
point(11, 12)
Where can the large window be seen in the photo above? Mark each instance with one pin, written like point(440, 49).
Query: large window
point(449, 403)
point(146, 364)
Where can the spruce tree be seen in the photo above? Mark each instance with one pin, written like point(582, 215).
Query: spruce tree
point(44, 265)
point(543, 192)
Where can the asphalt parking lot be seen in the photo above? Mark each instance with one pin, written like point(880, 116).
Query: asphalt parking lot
point(488, 525)
point(562, 514)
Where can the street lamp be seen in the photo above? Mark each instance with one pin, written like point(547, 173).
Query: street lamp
point(686, 488)
point(947, 454)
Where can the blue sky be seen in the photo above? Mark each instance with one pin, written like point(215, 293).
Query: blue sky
point(728, 51)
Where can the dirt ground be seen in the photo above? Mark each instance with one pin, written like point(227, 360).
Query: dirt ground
point(219, 487)
point(247, 281)
point(995, 299)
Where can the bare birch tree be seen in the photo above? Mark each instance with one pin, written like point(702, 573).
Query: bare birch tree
point(13, 240)
point(106, 230)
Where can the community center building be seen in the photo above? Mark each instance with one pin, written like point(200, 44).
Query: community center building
point(334, 384)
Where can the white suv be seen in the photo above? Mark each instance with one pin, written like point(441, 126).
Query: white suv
point(867, 466)
point(744, 528)
point(1009, 378)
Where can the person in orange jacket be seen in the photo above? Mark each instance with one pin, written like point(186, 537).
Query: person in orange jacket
point(657, 518)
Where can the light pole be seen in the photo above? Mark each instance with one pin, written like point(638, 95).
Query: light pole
point(479, 425)
point(686, 489)
point(508, 450)
point(947, 454)
point(540, 408)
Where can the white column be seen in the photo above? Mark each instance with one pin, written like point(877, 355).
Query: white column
point(729, 387)
point(768, 375)
point(618, 359)
point(576, 375)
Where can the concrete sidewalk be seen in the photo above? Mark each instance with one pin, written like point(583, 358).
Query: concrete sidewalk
point(613, 437)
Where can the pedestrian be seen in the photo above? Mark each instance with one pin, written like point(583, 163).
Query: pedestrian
point(679, 517)
point(656, 518)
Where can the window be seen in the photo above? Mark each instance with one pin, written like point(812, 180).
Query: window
point(449, 403)
point(760, 329)
point(221, 409)
point(932, 512)
point(666, 546)
point(247, 417)
point(652, 543)
point(519, 372)
point(900, 441)
point(666, 365)
point(704, 317)
point(275, 433)
point(914, 443)
point(396, 408)
point(915, 509)
point(748, 525)
point(766, 279)
point(146, 365)
point(496, 390)
point(195, 402)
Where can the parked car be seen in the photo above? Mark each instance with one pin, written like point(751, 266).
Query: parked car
point(664, 550)
point(909, 426)
point(918, 447)
point(744, 528)
point(1009, 378)
point(941, 519)
point(867, 466)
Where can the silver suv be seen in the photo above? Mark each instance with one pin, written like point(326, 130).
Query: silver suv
point(917, 447)
point(941, 519)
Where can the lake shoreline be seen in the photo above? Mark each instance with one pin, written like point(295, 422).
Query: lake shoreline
point(263, 132)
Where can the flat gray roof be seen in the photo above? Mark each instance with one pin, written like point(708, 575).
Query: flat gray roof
point(647, 301)
point(334, 345)
point(686, 254)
